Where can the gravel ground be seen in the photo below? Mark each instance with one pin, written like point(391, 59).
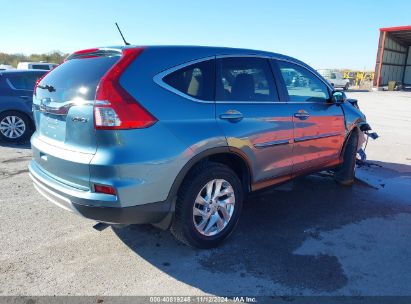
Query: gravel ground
point(318, 239)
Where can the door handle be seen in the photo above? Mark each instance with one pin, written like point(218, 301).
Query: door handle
point(232, 116)
point(302, 115)
point(24, 97)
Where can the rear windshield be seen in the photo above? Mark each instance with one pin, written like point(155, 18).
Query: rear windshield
point(75, 78)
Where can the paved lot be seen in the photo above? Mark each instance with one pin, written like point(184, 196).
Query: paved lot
point(317, 239)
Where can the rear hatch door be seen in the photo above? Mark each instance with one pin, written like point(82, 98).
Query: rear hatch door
point(64, 101)
point(63, 112)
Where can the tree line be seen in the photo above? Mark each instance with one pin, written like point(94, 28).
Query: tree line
point(14, 59)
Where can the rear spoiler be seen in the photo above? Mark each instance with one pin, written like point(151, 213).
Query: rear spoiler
point(95, 52)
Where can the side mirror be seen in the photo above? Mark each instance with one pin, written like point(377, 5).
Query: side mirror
point(338, 97)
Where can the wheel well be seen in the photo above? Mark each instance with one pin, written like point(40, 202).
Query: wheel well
point(355, 130)
point(232, 160)
point(235, 163)
point(222, 155)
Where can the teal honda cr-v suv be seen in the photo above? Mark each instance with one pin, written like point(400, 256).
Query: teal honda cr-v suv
point(177, 136)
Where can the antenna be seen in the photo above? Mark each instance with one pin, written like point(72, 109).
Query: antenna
point(125, 42)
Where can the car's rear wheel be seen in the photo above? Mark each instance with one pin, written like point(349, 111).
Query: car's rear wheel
point(345, 175)
point(208, 206)
point(14, 126)
point(346, 87)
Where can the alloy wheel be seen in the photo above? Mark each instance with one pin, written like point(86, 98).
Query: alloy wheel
point(213, 207)
point(12, 127)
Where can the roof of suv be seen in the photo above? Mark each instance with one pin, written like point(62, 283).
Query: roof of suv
point(213, 50)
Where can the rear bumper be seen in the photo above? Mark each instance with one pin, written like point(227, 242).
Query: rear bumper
point(142, 214)
point(88, 204)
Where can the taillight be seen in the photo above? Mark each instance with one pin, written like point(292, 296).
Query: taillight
point(114, 108)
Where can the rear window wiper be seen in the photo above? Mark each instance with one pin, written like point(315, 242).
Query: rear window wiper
point(47, 87)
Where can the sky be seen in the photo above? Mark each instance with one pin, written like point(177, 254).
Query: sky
point(324, 34)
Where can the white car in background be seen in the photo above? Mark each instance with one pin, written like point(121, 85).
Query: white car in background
point(335, 78)
point(6, 67)
point(36, 66)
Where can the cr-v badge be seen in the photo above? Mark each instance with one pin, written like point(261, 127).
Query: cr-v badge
point(79, 119)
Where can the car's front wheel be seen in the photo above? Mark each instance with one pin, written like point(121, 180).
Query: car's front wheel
point(208, 206)
point(14, 126)
point(346, 87)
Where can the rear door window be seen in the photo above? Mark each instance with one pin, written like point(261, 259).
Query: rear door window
point(196, 80)
point(302, 85)
point(245, 79)
point(22, 81)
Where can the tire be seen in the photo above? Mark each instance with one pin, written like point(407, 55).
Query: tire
point(15, 126)
point(186, 226)
point(346, 87)
point(345, 175)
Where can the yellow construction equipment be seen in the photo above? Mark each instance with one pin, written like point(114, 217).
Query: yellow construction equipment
point(358, 77)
